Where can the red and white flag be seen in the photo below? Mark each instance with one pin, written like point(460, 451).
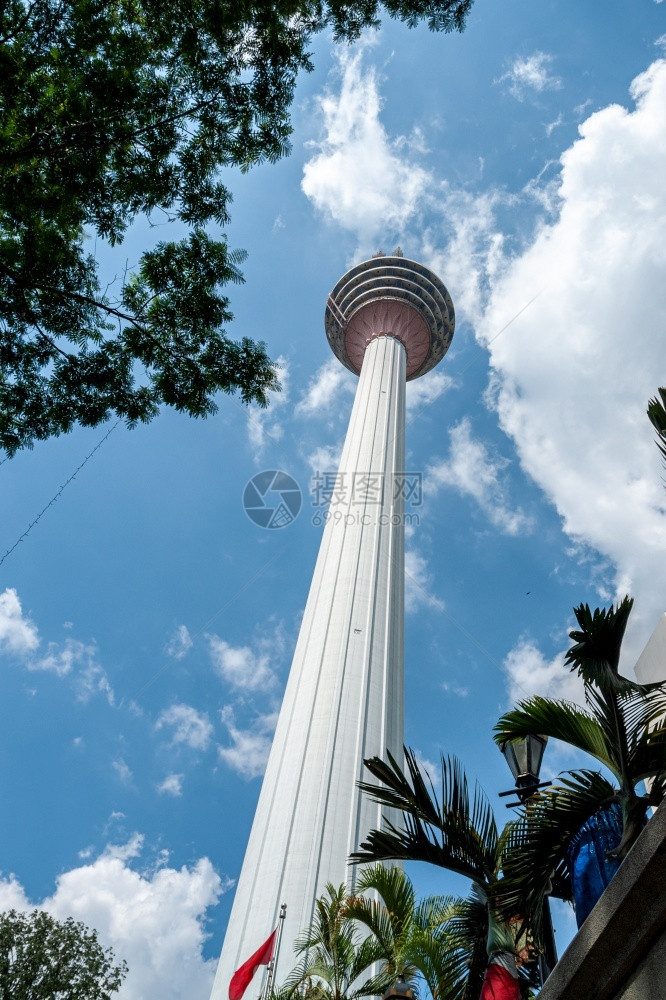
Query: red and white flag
point(242, 977)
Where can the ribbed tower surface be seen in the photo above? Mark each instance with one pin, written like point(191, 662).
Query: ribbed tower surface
point(388, 319)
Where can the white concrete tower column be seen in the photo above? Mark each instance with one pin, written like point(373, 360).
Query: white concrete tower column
point(389, 319)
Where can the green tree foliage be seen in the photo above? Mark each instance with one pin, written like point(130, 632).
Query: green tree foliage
point(337, 964)
point(418, 939)
point(115, 109)
point(455, 830)
point(360, 943)
point(44, 959)
point(623, 727)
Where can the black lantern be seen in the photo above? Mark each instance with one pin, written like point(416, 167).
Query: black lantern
point(524, 759)
point(399, 990)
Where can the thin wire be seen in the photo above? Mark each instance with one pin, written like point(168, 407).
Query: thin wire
point(210, 621)
point(58, 494)
point(433, 602)
point(474, 358)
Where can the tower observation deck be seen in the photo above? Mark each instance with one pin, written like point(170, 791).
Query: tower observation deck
point(388, 319)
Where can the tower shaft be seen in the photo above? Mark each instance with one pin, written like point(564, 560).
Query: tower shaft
point(344, 699)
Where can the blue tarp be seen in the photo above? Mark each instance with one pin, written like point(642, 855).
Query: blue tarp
point(589, 868)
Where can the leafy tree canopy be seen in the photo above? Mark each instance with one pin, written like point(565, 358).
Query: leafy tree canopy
point(43, 959)
point(113, 109)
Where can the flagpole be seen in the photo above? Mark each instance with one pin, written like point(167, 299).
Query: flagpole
point(272, 968)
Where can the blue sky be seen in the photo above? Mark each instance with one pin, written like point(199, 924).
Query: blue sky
point(146, 624)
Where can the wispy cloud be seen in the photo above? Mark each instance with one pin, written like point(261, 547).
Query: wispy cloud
point(422, 392)
point(122, 770)
point(265, 425)
point(457, 689)
point(323, 394)
point(19, 636)
point(471, 471)
point(172, 785)
point(17, 633)
point(189, 727)
point(530, 73)
point(179, 643)
point(249, 668)
point(418, 582)
point(249, 749)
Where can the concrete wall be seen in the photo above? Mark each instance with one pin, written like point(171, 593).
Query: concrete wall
point(620, 951)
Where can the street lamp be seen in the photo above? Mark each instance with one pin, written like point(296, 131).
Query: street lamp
point(524, 759)
point(399, 990)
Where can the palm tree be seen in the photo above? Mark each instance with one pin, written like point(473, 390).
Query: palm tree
point(415, 938)
point(457, 832)
point(622, 728)
point(359, 945)
point(336, 964)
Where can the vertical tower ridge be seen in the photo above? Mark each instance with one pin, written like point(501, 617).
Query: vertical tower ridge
point(388, 319)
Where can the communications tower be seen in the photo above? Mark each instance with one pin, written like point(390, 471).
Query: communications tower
point(388, 320)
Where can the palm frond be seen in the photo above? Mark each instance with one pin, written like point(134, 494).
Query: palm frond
point(656, 412)
point(458, 833)
point(596, 650)
point(432, 912)
point(646, 711)
point(444, 967)
point(535, 857)
point(647, 757)
point(561, 720)
point(394, 889)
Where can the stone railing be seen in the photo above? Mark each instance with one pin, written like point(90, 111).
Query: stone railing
point(620, 951)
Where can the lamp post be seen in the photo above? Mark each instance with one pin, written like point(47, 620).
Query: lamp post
point(524, 759)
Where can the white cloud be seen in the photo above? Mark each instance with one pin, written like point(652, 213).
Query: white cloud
point(470, 470)
point(358, 177)
point(575, 370)
point(172, 785)
point(190, 727)
point(457, 689)
point(155, 921)
point(180, 642)
point(59, 660)
point(421, 392)
point(17, 633)
point(325, 390)
point(432, 770)
point(124, 852)
point(12, 895)
point(325, 459)
point(240, 666)
point(122, 770)
point(370, 184)
point(264, 425)
point(250, 747)
point(576, 316)
point(20, 636)
point(464, 246)
point(530, 73)
point(418, 582)
point(93, 680)
point(530, 673)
